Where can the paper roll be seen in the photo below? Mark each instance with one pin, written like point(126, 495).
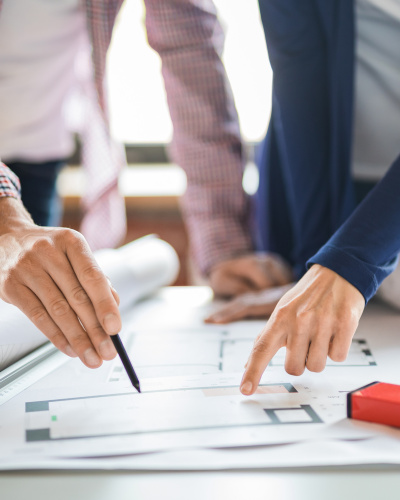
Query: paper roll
point(139, 268)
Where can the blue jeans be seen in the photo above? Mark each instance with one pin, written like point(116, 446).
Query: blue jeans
point(38, 190)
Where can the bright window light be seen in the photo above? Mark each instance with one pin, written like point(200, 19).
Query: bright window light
point(138, 107)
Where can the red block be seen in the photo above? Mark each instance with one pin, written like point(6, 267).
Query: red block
point(377, 402)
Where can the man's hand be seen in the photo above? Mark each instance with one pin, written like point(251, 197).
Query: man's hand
point(249, 305)
point(315, 319)
point(52, 276)
point(249, 273)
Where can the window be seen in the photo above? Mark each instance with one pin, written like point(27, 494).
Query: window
point(138, 108)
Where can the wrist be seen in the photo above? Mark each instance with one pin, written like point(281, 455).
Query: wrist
point(13, 216)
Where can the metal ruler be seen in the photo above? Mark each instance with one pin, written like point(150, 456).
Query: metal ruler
point(28, 370)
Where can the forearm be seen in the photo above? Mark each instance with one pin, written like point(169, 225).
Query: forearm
point(364, 249)
point(215, 238)
point(13, 215)
point(206, 142)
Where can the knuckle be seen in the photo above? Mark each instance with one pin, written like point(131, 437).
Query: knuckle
point(106, 304)
point(31, 258)
point(79, 342)
point(41, 245)
point(59, 308)
point(282, 313)
point(92, 273)
point(38, 315)
point(79, 296)
point(346, 321)
point(260, 346)
point(69, 236)
point(351, 320)
point(71, 240)
point(306, 315)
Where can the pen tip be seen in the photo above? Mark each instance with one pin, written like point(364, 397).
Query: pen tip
point(137, 387)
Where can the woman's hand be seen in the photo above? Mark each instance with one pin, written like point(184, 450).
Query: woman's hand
point(315, 319)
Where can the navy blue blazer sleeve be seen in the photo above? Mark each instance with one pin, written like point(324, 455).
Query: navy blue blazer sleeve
point(305, 191)
point(364, 249)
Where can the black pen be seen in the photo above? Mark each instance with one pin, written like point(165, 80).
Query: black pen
point(119, 346)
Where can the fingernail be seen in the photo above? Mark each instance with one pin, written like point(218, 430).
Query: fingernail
point(112, 324)
point(107, 349)
point(246, 388)
point(91, 358)
point(70, 352)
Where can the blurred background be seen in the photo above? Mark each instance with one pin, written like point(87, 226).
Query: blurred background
point(140, 120)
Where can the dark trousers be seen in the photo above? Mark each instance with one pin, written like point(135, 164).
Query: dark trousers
point(38, 190)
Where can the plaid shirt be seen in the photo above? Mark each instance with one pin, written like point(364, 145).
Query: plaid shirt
point(206, 141)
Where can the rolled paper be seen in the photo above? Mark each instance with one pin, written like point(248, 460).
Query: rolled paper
point(139, 268)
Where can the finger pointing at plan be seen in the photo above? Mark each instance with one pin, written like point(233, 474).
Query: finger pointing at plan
point(317, 318)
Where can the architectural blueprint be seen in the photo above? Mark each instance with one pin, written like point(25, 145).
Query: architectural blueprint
point(190, 400)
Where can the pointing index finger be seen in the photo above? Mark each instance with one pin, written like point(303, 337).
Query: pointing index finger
point(265, 347)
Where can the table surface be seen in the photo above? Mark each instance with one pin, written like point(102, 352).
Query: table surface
point(368, 482)
point(278, 485)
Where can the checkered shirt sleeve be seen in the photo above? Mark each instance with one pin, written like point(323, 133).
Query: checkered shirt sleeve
point(206, 142)
point(9, 183)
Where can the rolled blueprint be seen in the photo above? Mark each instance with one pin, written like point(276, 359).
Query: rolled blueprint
point(139, 268)
point(135, 271)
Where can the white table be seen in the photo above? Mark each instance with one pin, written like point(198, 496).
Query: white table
point(176, 306)
point(278, 485)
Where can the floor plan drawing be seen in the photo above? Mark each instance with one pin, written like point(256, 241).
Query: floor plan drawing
point(201, 351)
point(216, 405)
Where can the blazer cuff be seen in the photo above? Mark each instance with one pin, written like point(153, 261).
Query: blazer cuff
point(357, 272)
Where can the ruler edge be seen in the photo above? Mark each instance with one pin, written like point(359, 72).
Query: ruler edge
point(25, 364)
